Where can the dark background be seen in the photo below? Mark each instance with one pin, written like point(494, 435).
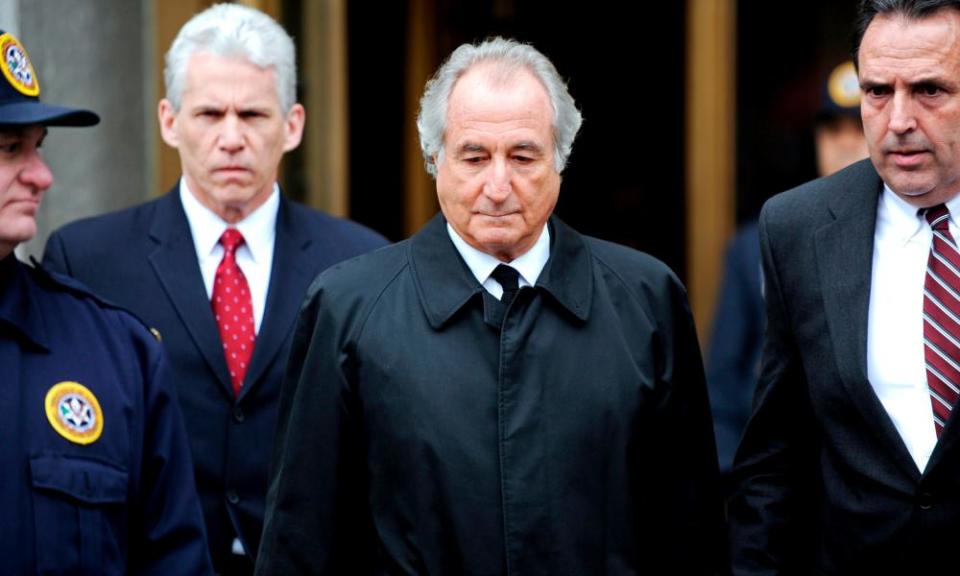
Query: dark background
point(625, 179)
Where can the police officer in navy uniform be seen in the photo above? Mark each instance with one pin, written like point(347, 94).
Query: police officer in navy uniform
point(94, 457)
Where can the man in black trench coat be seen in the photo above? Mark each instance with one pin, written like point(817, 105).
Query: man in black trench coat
point(498, 394)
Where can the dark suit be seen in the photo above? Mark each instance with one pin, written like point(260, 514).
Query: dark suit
point(144, 258)
point(826, 484)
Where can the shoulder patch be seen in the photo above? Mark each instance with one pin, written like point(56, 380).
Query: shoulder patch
point(74, 412)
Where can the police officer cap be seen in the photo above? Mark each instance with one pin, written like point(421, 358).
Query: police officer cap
point(840, 95)
point(20, 92)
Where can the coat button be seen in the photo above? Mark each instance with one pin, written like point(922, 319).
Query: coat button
point(238, 414)
point(925, 501)
point(232, 497)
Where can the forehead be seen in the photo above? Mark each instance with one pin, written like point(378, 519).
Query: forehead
point(484, 96)
point(214, 76)
point(896, 44)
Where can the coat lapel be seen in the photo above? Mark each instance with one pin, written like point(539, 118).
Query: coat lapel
point(175, 263)
point(294, 263)
point(844, 254)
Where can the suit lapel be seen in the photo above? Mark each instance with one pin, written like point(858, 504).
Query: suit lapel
point(175, 263)
point(291, 273)
point(844, 254)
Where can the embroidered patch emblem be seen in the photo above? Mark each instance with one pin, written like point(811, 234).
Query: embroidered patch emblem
point(17, 67)
point(74, 412)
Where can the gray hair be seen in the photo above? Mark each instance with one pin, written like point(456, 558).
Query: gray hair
point(509, 55)
point(233, 30)
point(911, 9)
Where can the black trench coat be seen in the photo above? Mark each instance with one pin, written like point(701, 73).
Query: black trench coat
point(425, 430)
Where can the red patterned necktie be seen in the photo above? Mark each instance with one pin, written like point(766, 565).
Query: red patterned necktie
point(233, 309)
point(941, 317)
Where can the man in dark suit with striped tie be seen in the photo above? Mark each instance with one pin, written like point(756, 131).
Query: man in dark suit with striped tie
point(851, 461)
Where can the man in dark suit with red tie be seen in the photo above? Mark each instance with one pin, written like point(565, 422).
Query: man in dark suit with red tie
point(220, 264)
point(850, 463)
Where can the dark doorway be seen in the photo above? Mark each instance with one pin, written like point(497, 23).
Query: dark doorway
point(782, 67)
point(625, 178)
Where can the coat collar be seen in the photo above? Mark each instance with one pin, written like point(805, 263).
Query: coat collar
point(18, 305)
point(445, 283)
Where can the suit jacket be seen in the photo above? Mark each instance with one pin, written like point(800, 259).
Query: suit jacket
point(144, 259)
point(826, 485)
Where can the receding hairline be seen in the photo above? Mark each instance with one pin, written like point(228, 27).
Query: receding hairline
point(501, 75)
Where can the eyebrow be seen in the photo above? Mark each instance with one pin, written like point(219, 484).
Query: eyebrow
point(470, 147)
point(528, 145)
point(868, 83)
point(13, 131)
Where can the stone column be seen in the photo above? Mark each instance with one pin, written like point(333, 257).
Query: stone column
point(91, 54)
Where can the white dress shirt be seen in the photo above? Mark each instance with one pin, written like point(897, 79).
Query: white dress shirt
point(529, 264)
point(254, 257)
point(895, 360)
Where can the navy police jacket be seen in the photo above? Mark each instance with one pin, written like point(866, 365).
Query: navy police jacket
point(96, 466)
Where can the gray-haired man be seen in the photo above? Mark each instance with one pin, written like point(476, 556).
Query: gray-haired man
point(498, 394)
point(220, 264)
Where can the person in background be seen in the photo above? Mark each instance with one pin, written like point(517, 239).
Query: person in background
point(736, 341)
point(220, 264)
point(96, 465)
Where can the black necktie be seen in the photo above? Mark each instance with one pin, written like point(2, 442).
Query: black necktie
point(509, 281)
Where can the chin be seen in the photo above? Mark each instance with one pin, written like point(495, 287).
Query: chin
point(498, 238)
point(911, 190)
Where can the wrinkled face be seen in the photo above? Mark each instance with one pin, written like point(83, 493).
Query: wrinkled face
point(24, 176)
point(497, 182)
point(910, 76)
point(230, 133)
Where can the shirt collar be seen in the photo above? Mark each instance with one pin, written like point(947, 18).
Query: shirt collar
point(445, 283)
point(529, 264)
point(258, 228)
point(904, 219)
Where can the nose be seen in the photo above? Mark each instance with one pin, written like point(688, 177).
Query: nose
point(231, 135)
point(902, 118)
point(498, 186)
point(36, 174)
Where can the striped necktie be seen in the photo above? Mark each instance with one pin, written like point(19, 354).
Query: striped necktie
point(941, 318)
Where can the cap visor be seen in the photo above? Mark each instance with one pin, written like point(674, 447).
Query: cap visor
point(21, 113)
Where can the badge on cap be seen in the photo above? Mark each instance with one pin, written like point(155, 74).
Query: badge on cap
point(74, 412)
point(844, 86)
point(16, 66)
